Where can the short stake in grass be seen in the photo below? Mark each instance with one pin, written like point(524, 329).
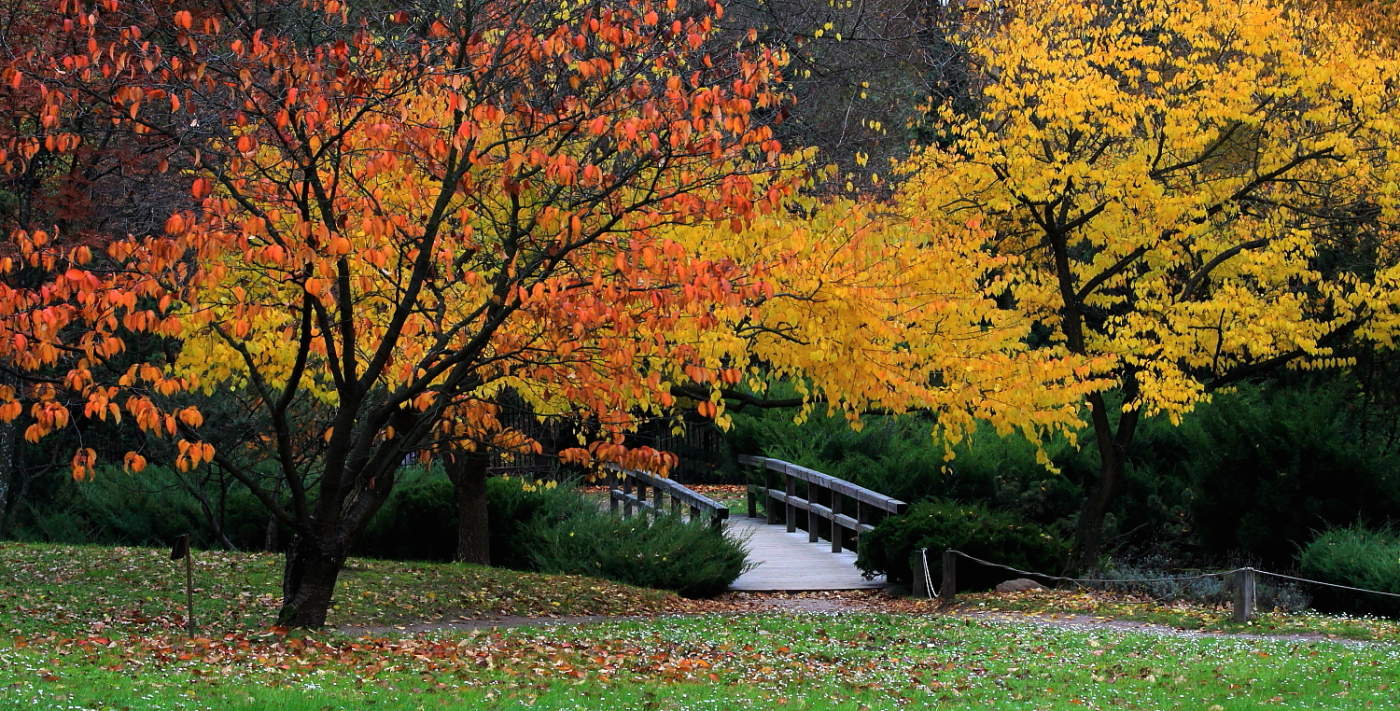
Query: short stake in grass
point(181, 549)
point(1244, 594)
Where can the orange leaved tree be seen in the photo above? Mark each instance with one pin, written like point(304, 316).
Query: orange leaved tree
point(390, 217)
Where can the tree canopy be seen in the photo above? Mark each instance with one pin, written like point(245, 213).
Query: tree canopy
point(1193, 191)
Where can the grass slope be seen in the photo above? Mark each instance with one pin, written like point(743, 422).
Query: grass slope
point(72, 590)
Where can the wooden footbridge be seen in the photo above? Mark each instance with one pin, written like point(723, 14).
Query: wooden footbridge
point(801, 530)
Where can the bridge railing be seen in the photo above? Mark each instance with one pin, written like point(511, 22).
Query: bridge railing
point(630, 489)
point(830, 503)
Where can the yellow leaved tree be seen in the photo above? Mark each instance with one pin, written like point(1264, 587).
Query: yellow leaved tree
point(867, 306)
point(1195, 190)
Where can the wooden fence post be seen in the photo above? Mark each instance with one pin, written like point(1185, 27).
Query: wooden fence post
point(919, 581)
point(1244, 594)
point(812, 517)
point(180, 550)
point(950, 576)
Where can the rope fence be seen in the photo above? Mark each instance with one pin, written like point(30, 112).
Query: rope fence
point(1244, 579)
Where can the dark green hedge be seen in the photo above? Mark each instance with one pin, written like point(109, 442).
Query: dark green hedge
point(692, 559)
point(973, 529)
point(1359, 557)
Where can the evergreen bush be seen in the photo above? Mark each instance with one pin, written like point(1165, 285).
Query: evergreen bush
point(1359, 557)
point(513, 505)
point(693, 559)
point(1268, 468)
point(993, 536)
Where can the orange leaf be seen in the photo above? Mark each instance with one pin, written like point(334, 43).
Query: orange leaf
point(191, 417)
point(134, 462)
point(175, 224)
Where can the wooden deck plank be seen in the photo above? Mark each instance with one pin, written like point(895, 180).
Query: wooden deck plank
point(788, 562)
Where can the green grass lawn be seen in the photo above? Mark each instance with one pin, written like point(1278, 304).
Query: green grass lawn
point(72, 590)
point(97, 628)
point(854, 662)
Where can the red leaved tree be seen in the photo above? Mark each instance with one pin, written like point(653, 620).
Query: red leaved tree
point(392, 217)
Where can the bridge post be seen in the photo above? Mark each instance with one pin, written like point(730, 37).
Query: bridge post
point(861, 515)
point(835, 527)
point(812, 518)
point(789, 488)
point(626, 496)
point(769, 509)
point(657, 510)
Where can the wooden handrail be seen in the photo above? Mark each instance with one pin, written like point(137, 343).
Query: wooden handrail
point(630, 491)
point(823, 500)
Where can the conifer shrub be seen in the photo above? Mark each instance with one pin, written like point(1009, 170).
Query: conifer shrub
point(690, 558)
point(971, 528)
point(1356, 556)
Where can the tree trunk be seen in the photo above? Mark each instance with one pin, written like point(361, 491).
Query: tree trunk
point(1088, 536)
point(1113, 448)
point(270, 535)
point(8, 465)
point(308, 581)
point(467, 470)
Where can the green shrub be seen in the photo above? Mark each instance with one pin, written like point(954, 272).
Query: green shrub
point(899, 457)
point(1269, 468)
point(417, 522)
point(114, 507)
point(512, 507)
point(692, 559)
point(971, 528)
point(1359, 557)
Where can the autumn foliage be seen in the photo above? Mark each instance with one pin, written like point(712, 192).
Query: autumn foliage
point(384, 219)
point(384, 227)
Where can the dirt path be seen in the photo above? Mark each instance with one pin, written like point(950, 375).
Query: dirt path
point(855, 603)
point(1095, 624)
point(743, 606)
